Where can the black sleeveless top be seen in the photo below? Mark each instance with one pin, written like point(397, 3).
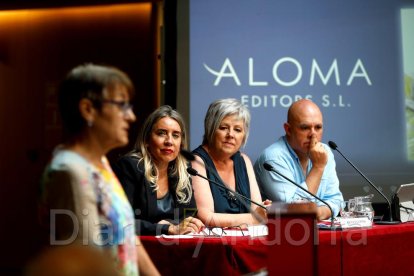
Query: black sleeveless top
point(224, 201)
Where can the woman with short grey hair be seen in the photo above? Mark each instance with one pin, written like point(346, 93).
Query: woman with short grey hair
point(220, 109)
point(226, 128)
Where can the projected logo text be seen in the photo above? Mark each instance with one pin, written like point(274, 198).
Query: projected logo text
point(331, 76)
point(227, 71)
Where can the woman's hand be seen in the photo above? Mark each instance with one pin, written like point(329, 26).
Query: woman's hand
point(187, 225)
point(262, 212)
point(267, 203)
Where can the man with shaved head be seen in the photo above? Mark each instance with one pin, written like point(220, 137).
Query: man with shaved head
point(302, 157)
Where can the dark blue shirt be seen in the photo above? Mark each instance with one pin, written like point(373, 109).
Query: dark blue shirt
point(224, 201)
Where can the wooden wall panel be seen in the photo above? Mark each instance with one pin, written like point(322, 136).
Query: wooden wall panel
point(37, 48)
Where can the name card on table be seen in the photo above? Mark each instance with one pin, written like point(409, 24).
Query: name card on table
point(353, 222)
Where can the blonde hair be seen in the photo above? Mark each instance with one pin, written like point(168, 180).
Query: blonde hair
point(178, 167)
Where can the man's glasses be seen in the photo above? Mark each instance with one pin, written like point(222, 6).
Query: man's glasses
point(124, 106)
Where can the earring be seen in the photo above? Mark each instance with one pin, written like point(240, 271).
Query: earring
point(89, 123)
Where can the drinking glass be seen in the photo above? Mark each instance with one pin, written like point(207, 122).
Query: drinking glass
point(347, 208)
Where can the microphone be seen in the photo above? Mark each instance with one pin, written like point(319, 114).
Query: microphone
point(333, 146)
point(187, 155)
point(270, 168)
point(190, 157)
point(193, 172)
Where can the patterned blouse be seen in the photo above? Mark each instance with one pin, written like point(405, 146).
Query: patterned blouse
point(85, 204)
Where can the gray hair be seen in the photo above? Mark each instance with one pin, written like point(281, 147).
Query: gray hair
point(220, 109)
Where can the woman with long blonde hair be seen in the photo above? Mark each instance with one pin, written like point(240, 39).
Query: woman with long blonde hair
point(155, 179)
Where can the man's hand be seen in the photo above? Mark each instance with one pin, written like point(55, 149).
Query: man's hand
point(323, 212)
point(317, 153)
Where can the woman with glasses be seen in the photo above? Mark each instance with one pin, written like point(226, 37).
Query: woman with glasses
point(226, 128)
point(155, 179)
point(82, 201)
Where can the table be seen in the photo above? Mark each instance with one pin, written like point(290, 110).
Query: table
point(209, 255)
point(380, 250)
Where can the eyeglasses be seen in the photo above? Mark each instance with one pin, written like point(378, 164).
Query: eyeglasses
point(409, 212)
point(123, 105)
point(214, 231)
point(221, 231)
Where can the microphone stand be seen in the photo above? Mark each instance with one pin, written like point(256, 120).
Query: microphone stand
point(333, 146)
point(190, 157)
point(269, 168)
point(195, 173)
